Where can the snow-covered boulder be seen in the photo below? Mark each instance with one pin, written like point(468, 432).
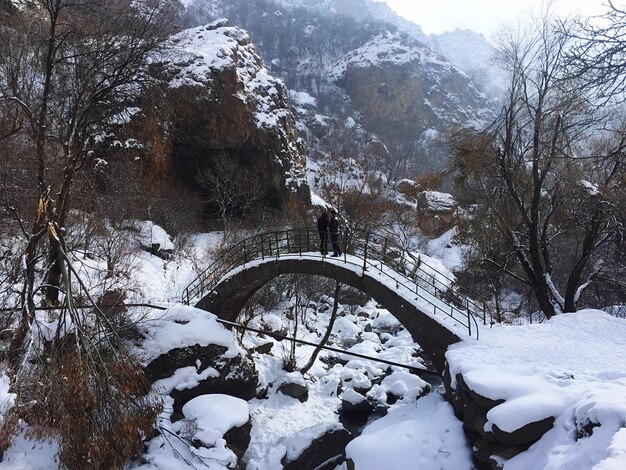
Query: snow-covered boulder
point(551, 386)
point(187, 353)
point(435, 211)
point(353, 402)
point(221, 426)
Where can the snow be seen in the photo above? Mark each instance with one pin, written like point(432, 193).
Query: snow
point(439, 202)
point(282, 424)
point(381, 49)
point(173, 447)
point(446, 251)
point(405, 385)
point(345, 328)
point(181, 326)
point(352, 397)
point(425, 435)
point(571, 367)
point(184, 378)
point(151, 233)
point(590, 187)
point(302, 98)
point(7, 399)
point(272, 322)
point(27, 453)
point(318, 201)
point(215, 414)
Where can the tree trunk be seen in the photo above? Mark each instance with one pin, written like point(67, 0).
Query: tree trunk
point(329, 329)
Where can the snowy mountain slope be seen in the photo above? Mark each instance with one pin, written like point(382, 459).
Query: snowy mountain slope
point(304, 42)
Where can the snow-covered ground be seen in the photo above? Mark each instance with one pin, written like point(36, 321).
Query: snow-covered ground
point(424, 435)
point(572, 367)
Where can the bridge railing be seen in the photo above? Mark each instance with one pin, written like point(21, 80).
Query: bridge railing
point(373, 252)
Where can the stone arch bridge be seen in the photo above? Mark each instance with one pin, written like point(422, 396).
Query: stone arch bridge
point(428, 303)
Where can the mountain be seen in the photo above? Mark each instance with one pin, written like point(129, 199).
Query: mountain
point(474, 55)
point(376, 87)
point(216, 120)
point(227, 106)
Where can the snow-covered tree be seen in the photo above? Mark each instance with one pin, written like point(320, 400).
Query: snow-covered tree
point(67, 68)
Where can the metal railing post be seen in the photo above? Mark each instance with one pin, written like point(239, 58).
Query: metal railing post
point(277, 246)
point(308, 240)
point(382, 261)
point(367, 239)
point(244, 251)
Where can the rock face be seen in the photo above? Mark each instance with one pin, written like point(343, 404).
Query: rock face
point(225, 105)
point(370, 82)
point(401, 88)
point(491, 445)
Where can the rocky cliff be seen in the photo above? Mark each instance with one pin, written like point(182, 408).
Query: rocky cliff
point(393, 102)
point(401, 88)
point(226, 105)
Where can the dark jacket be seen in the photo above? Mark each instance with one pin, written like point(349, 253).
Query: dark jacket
point(322, 222)
point(333, 226)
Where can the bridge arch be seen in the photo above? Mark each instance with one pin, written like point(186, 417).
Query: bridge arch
point(435, 315)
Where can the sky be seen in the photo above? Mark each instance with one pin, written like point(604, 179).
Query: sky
point(483, 16)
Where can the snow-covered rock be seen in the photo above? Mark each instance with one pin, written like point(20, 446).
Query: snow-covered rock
point(234, 107)
point(553, 385)
point(187, 353)
point(214, 415)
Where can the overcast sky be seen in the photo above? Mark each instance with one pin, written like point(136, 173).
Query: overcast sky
point(484, 16)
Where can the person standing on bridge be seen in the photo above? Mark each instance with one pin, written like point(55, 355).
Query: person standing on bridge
point(322, 228)
point(333, 228)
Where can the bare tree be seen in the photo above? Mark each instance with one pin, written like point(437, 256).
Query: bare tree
point(230, 186)
point(66, 69)
point(598, 54)
point(533, 199)
point(329, 329)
